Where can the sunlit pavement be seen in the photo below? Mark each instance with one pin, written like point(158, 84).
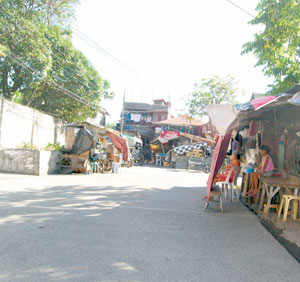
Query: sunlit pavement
point(145, 224)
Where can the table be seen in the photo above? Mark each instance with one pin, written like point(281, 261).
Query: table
point(272, 185)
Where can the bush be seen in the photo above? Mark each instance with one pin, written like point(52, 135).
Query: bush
point(53, 147)
point(27, 145)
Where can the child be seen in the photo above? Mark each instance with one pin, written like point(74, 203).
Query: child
point(265, 168)
point(234, 162)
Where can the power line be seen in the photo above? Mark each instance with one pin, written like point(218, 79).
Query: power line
point(85, 38)
point(89, 41)
point(67, 69)
point(92, 84)
point(33, 71)
point(242, 9)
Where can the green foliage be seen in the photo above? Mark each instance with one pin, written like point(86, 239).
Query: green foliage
point(2, 50)
point(111, 125)
point(210, 91)
point(53, 147)
point(277, 45)
point(26, 145)
point(41, 68)
point(107, 92)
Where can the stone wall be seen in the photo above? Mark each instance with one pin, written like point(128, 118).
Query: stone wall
point(32, 162)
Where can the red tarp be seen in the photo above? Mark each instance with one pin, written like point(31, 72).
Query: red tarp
point(219, 155)
point(121, 144)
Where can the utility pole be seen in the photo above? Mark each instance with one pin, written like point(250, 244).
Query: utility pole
point(122, 116)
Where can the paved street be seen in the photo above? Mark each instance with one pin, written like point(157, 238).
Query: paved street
point(145, 224)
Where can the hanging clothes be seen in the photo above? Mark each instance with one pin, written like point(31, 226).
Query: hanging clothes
point(136, 117)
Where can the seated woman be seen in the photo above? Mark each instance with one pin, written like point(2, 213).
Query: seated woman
point(235, 157)
point(265, 168)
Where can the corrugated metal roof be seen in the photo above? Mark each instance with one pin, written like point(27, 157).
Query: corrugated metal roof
point(133, 106)
point(294, 90)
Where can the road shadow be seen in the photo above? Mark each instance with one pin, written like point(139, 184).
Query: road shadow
point(118, 233)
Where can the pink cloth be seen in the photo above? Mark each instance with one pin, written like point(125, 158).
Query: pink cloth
point(270, 165)
point(121, 144)
point(219, 155)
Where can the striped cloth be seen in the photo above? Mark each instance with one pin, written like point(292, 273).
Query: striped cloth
point(182, 150)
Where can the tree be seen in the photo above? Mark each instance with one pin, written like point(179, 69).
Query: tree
point(210, 91)
point(277, 45)
point(39, 66)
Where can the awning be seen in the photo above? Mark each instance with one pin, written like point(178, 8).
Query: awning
point(181, 150)
point(295, 100)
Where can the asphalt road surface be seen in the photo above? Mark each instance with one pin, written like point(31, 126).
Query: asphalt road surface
point(145, 224)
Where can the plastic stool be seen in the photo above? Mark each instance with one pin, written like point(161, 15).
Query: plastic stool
point(272, 206)
point(116, 167)
point(285, 201)
point(158, 161)
point(94, 167)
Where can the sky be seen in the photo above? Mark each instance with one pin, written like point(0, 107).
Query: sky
point(160, 48)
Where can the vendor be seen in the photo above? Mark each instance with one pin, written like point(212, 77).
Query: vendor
point(265, 168)
point(235, 161)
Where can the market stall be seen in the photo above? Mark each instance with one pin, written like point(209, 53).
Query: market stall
point(270, 120)
point(179, 149)
point(92, 148)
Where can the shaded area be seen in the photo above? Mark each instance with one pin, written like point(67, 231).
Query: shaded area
point(132, 233)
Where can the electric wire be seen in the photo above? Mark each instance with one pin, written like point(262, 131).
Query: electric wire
point(33, 71)
point(242, 9)
point(93, 85)
point(57, 86)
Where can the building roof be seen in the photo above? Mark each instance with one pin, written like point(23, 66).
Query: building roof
point(144, 107)
point(182, 121)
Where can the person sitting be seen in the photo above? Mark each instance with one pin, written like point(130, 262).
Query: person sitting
point(265, 168)
point(235, 161)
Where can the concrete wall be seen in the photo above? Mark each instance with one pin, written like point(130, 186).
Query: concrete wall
point(32, 162)
point(20, 124)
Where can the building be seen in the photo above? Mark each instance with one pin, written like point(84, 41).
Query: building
point(141, 117)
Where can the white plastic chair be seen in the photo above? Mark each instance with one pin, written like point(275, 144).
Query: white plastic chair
point(233, 186)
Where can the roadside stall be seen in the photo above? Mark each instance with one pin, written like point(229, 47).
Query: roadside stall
point(182, 150)
point(92, 148)
point(270, 120)
point(162, 146)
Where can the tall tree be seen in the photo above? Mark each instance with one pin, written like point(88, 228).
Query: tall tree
point(277, 45)
point(40, 67)
point(210, 91)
